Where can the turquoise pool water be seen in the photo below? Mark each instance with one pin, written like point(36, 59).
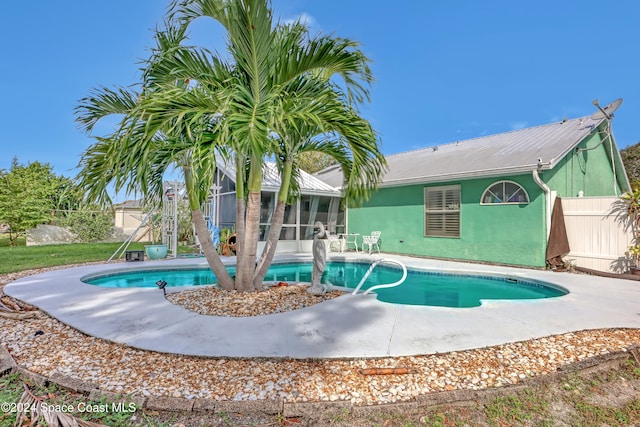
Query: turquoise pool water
point(420, 288)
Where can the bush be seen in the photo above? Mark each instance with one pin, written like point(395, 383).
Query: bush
point(89, 226)
point(185, 224)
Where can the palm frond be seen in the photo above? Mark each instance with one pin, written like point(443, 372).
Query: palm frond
point(35, 411)
point(103, 102)
point(325, 57)
point(319, 118)
point(186, 11)
point(174, 63)
point(251, 42)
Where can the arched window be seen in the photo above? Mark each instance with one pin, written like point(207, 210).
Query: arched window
point(504, 192)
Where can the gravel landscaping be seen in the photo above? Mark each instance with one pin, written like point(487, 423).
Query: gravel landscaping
point(47, 347)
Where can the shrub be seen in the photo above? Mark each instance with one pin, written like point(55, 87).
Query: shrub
point(89, 226)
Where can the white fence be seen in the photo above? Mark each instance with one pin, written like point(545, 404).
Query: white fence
point(596, 239)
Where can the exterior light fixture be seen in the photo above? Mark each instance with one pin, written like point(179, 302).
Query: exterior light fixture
point(162, 285)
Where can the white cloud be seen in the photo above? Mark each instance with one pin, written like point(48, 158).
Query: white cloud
point(305, 18)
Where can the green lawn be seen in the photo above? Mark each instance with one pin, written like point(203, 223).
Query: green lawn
point(18, 258)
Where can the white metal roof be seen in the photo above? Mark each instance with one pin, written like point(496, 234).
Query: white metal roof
point(308, 184)
point(515, 152)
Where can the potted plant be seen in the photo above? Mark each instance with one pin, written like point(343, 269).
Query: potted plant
point(224, 236)
point(156, 251)
point(227, 245)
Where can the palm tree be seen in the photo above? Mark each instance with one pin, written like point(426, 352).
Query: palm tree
point(282, 79)
point(338, 133)
point(120, 160)
point(275, 96)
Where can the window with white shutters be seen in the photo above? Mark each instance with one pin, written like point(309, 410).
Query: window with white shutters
point(442, 211)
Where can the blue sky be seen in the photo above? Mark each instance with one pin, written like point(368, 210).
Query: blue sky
point(445, 70)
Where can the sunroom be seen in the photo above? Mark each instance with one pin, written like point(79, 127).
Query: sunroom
point(317, 202)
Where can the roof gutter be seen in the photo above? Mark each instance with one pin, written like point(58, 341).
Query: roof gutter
point(547, 194)
point(484, 173)
point(307, 192)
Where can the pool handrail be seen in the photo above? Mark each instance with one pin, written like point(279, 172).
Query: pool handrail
point(386, 285)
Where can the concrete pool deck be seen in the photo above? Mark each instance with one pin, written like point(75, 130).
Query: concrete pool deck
point(344, 327)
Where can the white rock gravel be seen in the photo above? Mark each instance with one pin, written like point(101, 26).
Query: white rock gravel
point(121, 369)
point(278, 298)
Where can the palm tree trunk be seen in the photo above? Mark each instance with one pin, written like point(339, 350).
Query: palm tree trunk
point(240, 218)
point(252, 230)
point(246, 263)
point(270, 247)
point(214, 261)
point(240, 236)
point(276, 227)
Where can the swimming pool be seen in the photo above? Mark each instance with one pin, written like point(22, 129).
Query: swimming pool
point(420, 288)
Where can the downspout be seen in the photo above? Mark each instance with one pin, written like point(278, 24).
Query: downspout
point(547, 195)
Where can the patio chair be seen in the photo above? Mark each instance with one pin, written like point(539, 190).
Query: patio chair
point(371, 241)
point(335, 243)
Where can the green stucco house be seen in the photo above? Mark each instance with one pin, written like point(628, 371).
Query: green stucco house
point(488, 199)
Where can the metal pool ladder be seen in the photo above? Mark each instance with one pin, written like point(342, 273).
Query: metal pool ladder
point(388, 285)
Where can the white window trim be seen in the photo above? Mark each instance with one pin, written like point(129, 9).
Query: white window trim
point(484, 193)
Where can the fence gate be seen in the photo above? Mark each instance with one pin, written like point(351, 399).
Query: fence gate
point(597, 240)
